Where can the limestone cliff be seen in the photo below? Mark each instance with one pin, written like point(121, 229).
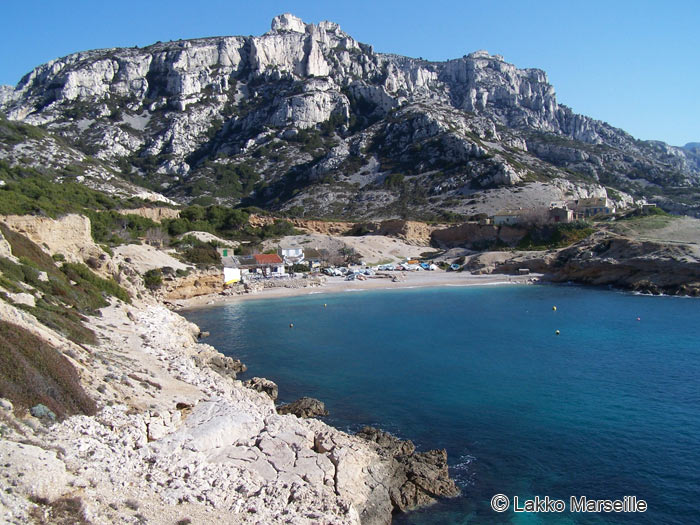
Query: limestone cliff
point(305, 117)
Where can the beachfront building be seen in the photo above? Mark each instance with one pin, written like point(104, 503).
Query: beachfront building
point(262, 264)
point(232, 269)
point(595, 206)
point(313, 258)
point(507, 217)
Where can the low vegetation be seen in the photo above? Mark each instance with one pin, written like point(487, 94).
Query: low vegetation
point(553, 236)
point(642, 220)
point(66, 293)
point(33, 372)
point(153, 279)
point(225, 222)
point(29, 192)
point(63, 511)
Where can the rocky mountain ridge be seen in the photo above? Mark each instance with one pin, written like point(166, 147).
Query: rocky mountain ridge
point(306, 119)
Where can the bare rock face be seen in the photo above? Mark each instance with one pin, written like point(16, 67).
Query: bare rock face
point(645, 266)
point(288, 22)
point(260, 384)
point(195, 108)
point(223, 365)
point(70, 235)
point(38, 472)
point(6, 249)
point(417, 479)
point(304, 407)
point(156, 214)
point(199, 282)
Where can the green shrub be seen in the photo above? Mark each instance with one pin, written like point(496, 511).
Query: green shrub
point(29, 192)
point(279, 228)
point(107, 286)
point(63, 304)
point(202, 254)
point(153, 279)
point(555, 236)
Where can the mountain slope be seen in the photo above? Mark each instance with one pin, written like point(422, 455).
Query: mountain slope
point(306, 119)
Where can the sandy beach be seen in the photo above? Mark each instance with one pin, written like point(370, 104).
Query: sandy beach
point(382, 281)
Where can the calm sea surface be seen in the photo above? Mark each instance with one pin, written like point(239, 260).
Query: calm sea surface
point(609, 408)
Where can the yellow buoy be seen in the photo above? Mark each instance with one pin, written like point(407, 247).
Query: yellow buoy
point(557, 332)
point(554, 308)
point(324, 305)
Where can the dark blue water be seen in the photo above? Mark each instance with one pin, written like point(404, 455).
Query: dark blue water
point(609, 408)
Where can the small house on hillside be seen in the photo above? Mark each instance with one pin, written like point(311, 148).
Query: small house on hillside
point(291, 256)
point(595, 206)
point(267, 264)
point(561, 214)
point(507, 217)
point(313, 258)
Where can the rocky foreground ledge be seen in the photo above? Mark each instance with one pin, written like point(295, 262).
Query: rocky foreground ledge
point(179, 440)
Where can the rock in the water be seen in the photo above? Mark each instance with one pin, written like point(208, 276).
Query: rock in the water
point(304, 407)
point(262, 384)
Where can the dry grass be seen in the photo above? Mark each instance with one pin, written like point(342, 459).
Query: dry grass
point(64, 511)
point(33, 372)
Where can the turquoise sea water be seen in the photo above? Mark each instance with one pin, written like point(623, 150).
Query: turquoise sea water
point(607, 409)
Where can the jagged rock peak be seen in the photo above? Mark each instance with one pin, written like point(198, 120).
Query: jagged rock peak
point(482, 53)
point(287, 22)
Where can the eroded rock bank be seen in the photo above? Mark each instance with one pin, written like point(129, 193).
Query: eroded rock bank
point(606, 259)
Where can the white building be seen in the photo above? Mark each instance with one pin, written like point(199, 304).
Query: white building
point(507, 217)
point(291, 255)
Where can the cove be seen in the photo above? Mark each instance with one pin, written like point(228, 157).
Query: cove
point(607, 409)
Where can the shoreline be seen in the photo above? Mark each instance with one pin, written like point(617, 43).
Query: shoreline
point(409, 280)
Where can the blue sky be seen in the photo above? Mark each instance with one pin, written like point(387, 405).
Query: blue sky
point(634, 64)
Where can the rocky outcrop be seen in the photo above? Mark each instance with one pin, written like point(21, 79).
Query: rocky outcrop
point(261, 384)
point(323, 227)
point(69, 236)
point(155, 214)
point(6, 249)
point(304, 407)
point(197, 283)
point(477, 236)
point(606, 259)
point(418, 478)
point(223, 365)
point(649, 267)
point(411, 232)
